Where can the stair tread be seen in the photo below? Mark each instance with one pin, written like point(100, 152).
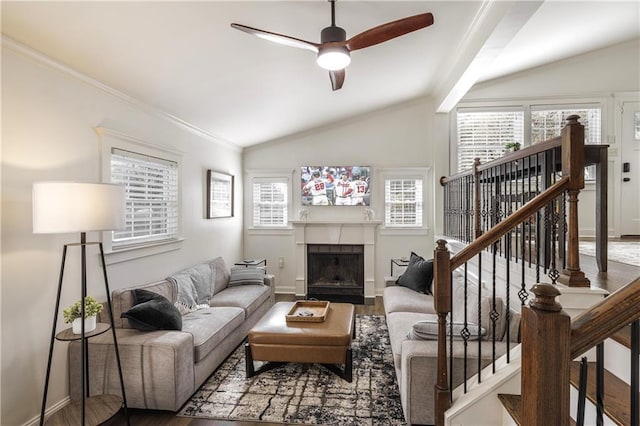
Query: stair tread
point(512, 404)
point(616, 396)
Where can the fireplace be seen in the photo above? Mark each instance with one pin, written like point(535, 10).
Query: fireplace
point(335, 272)
point(339, 232)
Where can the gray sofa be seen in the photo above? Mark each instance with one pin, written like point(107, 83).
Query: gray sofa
point(163, 368)
point(415, 355)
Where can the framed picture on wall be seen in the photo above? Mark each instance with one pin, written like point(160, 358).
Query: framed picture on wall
point(219, 195)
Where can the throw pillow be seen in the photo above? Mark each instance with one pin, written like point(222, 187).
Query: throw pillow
point(241, 275)
point(428, 330)
point(152, 311)
point(419, 274)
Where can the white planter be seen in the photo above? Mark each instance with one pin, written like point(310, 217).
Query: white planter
point(89, 325)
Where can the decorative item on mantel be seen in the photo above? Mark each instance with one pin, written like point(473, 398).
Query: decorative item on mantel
point(369, 214)
point(303, 214)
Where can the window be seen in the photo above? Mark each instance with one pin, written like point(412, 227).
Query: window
point(483, 134)
point(270, 202)
point(403, 191)
point(403, 202)
point(151, 188)
point(547, 123)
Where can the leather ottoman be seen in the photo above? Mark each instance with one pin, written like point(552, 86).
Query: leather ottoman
point(278, 341)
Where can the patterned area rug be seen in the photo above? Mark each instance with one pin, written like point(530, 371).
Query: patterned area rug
point(618, 251)
point(308, 393)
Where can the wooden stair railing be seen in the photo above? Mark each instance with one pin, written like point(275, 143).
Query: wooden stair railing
point(572, 181)
point(545, 387)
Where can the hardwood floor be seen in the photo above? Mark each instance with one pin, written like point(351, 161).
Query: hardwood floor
point(618, 275)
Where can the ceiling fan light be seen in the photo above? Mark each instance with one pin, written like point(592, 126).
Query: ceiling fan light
point(334, 58)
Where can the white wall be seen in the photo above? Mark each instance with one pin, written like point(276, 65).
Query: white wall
point(402, 136)
point(607, 76)
point(48, 118)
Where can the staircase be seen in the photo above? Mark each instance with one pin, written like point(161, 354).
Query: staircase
point(514, 222)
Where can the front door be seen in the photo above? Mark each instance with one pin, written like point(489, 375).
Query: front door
point(630, 155)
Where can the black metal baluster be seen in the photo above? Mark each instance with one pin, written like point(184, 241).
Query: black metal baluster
point(600, 384)
point(479, 315)
point(582, 391)
point(465, 329)
point(635, 373)
point(493, 315)
point(538, 224)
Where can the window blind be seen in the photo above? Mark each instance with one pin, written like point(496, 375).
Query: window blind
point(151, 191)
point(270, 203)
point(547, 123)
point(483, 134)
point(403, 202)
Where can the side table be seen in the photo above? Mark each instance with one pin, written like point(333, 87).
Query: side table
point(252, 262)
point(400, 262)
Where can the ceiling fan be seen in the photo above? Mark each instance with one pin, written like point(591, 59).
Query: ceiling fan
point(334, 50)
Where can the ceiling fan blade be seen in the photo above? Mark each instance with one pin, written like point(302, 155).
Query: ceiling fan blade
point(337, 79)
point(278, 38)
point(388, 31)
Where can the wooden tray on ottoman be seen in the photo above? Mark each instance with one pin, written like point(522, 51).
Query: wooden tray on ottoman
point(308, 311)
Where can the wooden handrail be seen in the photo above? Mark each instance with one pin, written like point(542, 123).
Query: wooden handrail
point(605, 318)
point(524, 212)
point(514, 156)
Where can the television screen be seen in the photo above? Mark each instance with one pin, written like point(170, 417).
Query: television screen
point(335, 185)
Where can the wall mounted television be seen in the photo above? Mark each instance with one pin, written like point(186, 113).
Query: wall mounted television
point(335, 185)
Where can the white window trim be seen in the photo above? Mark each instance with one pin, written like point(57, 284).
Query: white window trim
point(251, 175)
point(109, 139)
point(423, 173)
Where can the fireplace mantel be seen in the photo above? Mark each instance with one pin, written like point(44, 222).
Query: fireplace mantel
point(335, 232)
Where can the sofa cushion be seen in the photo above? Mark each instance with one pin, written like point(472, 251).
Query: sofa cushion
point(209, 326)
point(419, 274)
point(152, 312)
point(247, 297)
point(221, 279)
point(402, 299)
point(242, 275)
point(122, 299)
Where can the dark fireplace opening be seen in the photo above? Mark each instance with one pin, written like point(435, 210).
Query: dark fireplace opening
point(335, 272)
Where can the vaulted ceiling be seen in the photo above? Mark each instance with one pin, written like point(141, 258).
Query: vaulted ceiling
point(184, 59)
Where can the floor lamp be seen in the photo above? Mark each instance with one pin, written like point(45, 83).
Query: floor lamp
point(66, 207)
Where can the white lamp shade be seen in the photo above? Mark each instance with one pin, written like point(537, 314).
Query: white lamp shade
point(62, 207)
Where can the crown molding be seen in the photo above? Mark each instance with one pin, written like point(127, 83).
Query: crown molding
point(16, 46)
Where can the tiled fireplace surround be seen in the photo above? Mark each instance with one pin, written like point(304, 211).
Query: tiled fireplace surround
point(335, 232)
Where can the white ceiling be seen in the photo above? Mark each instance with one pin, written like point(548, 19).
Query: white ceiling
point(183, 58)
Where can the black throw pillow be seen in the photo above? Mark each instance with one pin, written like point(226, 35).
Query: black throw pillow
point(419, 274)
point(152, 311)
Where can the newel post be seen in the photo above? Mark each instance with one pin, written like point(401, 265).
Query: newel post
point(442, 304)
point(476, 198)
point(573, 167)
point(546, 331)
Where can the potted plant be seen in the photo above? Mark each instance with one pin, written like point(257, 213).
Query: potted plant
point(72, 315)
point(512, 146)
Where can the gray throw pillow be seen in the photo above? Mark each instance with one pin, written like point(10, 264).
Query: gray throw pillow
point(419, 274)
point(241, 275)
point(428, 330)
point(152, 311)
